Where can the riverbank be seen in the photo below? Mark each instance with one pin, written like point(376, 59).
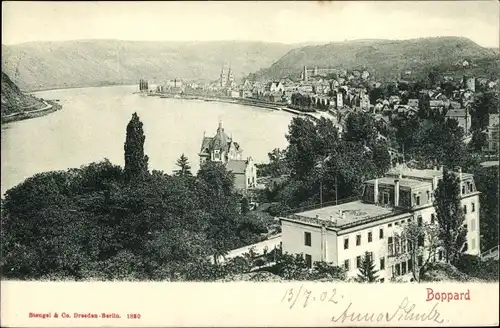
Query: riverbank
point(239, 101)
point(76, 87)
point(51, 106)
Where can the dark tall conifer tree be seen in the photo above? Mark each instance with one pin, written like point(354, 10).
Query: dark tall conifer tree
point(136, 163)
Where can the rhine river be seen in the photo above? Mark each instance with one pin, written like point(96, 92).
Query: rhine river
point(91, 126)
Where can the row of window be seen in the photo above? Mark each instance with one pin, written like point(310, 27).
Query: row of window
point(307, 235)
point(397, 246)
point(358, 238)
point(467, 187)
point(359, 259)
point(473, 208)
point(404, 267)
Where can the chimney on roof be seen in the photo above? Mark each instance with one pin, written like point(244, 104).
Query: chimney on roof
point(220, 125)
point(396, 193)
point(333, 219)
point(342, 215)
point(375, 191)
point(317, 216)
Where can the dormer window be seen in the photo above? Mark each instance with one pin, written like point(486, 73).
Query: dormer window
point(216, 154)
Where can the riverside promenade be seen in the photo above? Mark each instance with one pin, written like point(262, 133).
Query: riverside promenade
point(247, 102)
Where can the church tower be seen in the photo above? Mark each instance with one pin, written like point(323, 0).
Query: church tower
point(223, 77)
point(230, 77)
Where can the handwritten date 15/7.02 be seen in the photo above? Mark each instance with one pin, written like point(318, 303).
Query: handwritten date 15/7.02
point(305, 296)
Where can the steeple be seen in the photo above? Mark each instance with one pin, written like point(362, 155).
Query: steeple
point(230, 78)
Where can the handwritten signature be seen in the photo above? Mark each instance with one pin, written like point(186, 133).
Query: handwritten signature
point(406, 311)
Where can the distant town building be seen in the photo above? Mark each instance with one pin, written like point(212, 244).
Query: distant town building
point(340, 99)
point(221, 148)
point(275, 86)
point(413, 102)
point(316, 71)
point(492, 135)
point(341, 234)
point(462, 116)
point(245, 173)
point(470, 83)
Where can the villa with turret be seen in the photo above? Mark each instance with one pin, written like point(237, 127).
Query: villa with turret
point(222, 148)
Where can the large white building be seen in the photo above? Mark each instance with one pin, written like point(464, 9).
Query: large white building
point(342, 234)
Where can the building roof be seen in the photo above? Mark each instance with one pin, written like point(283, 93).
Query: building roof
point(456, 113)
point(489, 163)
point(205, 144)
point(409, 172)
point(344, 215)
point(221, 140)
point(426, 174)
point(237, 166)
point(409, 183)
point(436, 103)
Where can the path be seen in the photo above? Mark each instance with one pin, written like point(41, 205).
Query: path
point(47, 106)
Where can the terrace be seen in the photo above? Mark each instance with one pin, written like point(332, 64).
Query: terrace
point(344, 215)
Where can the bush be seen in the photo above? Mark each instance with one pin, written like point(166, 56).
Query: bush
point(475, 267)
point(277, 209)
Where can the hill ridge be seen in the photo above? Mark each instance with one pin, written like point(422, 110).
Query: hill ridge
point(382, 58)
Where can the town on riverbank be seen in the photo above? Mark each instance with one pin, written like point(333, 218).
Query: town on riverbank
point(335, 93)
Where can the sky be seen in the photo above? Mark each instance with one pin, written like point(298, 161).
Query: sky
point(285, 22)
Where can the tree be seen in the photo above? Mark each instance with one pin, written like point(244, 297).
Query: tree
point(375, 94)
point(277, 163)
point(440, 143)
point(367, 271)
point(136, 163)
point(360, 127)
point(484, 103)
point(324, 270)
point(381, 157)
point(245, 205)
point(300, 154)
point(184, 167)
point(216, 195)
point(450, 216)
point(486, 180)
point(421, 242)
point(291, 267)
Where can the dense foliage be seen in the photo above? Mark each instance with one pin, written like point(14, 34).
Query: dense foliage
point(100, 222)
point(486, 179)
point(318, 159)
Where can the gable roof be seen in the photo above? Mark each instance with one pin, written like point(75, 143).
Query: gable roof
point(205, 144)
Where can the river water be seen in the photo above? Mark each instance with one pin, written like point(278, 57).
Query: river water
point(91, 126)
